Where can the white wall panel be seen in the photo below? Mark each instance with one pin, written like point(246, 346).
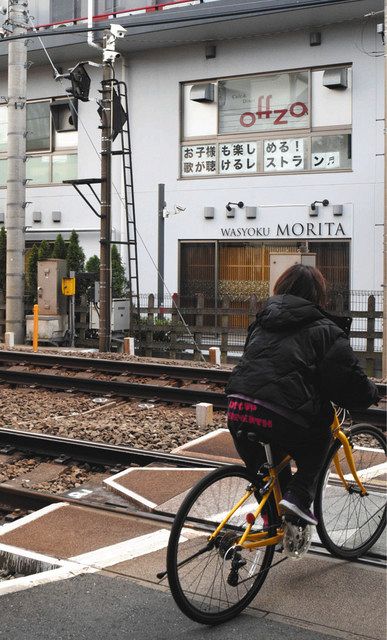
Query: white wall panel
point(330, 106)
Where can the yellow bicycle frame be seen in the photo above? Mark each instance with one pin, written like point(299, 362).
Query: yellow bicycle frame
point(250, 540)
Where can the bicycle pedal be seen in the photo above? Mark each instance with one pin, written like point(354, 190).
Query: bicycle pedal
point(295, 520)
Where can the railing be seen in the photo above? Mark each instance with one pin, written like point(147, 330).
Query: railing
point(129, 8)
point(162, 331)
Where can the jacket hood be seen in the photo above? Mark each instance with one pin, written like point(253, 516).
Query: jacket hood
point(287, 312)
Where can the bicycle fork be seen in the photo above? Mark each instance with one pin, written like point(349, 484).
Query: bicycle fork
point(340, 435)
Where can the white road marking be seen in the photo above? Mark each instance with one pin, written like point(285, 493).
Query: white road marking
point(370, 472)
point(31, 517)
point(116, 486)
point(90, 562)
point(364, 474)
point(207, 436)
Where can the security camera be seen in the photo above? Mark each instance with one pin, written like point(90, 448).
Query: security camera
point(117, 31)
point(110, 56)
point(179, 208)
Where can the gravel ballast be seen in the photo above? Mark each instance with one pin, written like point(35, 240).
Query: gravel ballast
point(145, 425)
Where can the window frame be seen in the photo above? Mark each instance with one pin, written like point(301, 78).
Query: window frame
point(51, 152)
point(306, 133)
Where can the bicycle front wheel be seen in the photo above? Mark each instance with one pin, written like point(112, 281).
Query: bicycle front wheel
point(209, 583)
point(349, 523)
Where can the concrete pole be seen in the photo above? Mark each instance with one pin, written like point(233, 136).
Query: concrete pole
point(160, 248)
point(106, 198)
point(384, 354)
point(16, 172)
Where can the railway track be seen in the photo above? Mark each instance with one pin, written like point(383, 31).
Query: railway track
point(114, 367)
point(91, 452)
point(12, 497)
point(158, 382)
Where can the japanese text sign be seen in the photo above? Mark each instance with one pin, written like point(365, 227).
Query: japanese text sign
point(284, 155)
point(238, 157)
point(198, 160)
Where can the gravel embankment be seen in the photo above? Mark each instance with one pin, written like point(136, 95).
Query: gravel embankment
point(133, 423)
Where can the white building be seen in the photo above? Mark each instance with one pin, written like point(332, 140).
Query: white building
point(276, 104)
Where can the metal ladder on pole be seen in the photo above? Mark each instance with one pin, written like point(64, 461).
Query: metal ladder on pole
point(120, 104)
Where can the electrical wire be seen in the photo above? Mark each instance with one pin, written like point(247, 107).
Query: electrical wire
point(361, 47)
point(57, 76)
point(232, 12)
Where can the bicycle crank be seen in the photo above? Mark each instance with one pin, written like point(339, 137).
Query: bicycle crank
point(297, 539)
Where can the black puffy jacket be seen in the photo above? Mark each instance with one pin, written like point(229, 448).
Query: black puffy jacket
point(297, 357)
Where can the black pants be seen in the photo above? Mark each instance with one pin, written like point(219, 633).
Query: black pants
point(308, 447)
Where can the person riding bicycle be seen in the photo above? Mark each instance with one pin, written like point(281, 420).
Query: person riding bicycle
point(297, 360)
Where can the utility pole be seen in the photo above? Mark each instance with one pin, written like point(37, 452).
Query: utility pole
point(106, 198)
point(160, 249)
point(16, 170)
point(384, 352)
point(106, 104)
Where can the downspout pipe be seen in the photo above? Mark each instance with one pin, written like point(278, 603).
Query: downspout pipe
point(90, 40)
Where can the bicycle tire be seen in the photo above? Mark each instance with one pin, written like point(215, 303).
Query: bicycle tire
point(349, 524)
point(199, 587)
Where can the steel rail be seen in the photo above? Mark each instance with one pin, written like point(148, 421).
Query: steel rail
point(94, 452)
point(124, 367)
point(115, 367)
point(179, 395)
point(25, 499)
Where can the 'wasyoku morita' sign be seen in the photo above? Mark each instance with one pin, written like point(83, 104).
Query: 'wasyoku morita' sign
point(288, 230)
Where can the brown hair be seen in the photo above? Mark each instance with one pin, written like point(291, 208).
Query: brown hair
point(304, 282)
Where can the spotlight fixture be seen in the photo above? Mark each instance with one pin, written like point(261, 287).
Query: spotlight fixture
point(237, 204)
point(323, 202)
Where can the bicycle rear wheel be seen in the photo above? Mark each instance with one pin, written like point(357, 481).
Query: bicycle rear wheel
point(349, 523)
point(199, 572)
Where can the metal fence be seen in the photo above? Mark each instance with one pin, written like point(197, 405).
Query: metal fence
point(185, 326)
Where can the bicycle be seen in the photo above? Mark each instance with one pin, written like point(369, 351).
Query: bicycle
point(221, 548)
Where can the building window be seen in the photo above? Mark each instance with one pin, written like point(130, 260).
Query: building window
point(292, 121)
point(38, 126)
point(51, 155)
point(61, 11)
point(241, 269)
point(103, 6)
point(264, 103)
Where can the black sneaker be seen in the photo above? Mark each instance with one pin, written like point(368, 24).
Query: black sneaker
point(291, 504)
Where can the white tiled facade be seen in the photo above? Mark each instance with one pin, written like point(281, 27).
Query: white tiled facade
point(155, 77)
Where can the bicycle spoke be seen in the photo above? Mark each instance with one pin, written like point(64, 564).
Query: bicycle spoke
point(208, 584)
point(350, 522)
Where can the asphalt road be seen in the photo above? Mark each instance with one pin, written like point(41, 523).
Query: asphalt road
point(100, 607)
